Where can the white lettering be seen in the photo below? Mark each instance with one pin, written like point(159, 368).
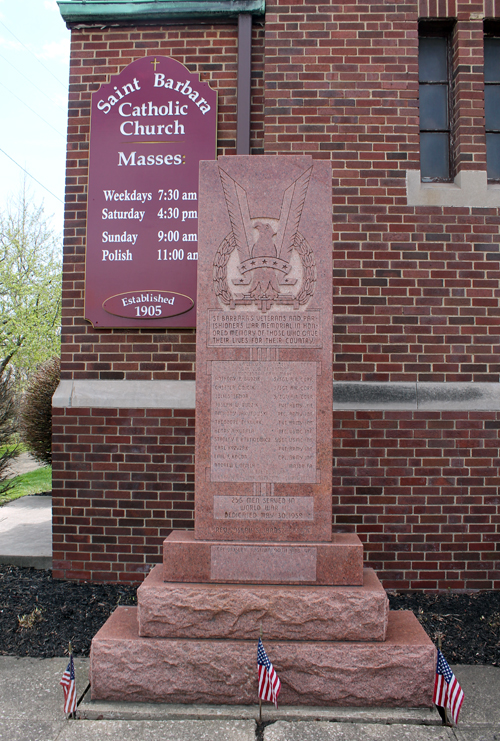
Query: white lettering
point(151, 159)
point(124, 237)
point(116, 256)
point(128, 88)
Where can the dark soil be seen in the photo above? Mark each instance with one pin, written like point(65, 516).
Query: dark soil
point(56, 612)
point(69, 611)
point(469, 623)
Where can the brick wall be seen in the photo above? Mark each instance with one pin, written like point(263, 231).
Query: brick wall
point(415, 289)
point(415, 299)
point(421, 491)
point(124, 478)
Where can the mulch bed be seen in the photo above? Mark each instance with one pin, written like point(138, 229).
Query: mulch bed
point(40, 615)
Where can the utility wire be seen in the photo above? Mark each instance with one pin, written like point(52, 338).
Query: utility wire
point(31, 82)
point(33, 111)
point(31, 176)
point(33, 54)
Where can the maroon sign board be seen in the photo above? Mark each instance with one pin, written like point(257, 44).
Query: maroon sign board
point(150, 127)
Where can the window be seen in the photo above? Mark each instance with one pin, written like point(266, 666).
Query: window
point(492, 104)
point(434, 102)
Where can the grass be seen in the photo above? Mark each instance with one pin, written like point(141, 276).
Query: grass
point(20, 446)
point(33, 482)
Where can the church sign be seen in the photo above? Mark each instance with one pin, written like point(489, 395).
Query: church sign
point(150, 127)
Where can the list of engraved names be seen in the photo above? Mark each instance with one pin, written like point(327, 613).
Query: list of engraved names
point(263, 422)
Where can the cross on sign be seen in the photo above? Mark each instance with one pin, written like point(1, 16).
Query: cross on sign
point(154, 63)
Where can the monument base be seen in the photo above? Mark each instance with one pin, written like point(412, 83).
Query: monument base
point(211, 611)
point(398, 672)
point(338, 562)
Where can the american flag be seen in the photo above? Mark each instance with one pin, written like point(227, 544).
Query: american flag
point(68, 684)
point(447, 691)
point(269, 684)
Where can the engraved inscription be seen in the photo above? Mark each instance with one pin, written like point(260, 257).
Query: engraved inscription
point(249, 329)
point(284, 509)
point(263, 422)
point(263, 563)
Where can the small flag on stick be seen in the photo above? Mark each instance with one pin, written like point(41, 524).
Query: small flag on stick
point(447, 691)
point(269, 683)
point(68, 684)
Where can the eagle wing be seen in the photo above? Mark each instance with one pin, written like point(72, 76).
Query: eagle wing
point(239, 214)
point(291, 211)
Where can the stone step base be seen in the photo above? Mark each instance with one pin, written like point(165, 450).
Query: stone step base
point(396, 673)
point(335, 563)
point(210, 611)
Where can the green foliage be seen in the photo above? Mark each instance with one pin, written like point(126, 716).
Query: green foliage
point(33, 482)
point(30, 288)
point(36, 411)
point(7, 451)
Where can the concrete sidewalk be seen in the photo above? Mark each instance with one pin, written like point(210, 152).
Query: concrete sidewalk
point(26, 532)
point(31, 709)
point(22, 464)
point(26, 524)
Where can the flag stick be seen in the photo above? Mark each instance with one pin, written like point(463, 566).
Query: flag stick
point(260, 699)
point(83, 695)
point(446, 722)
point(70, 651)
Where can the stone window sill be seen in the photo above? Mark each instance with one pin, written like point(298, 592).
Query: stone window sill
point(470, 189)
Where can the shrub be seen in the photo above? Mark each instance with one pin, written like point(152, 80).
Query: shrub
point(8, 451)
point(36, 412)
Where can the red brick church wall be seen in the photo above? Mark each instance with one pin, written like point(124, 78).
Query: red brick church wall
point(415, 302)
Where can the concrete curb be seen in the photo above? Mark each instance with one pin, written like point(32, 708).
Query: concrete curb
point(43, 563)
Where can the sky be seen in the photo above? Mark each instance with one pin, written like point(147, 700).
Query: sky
point(34, 64)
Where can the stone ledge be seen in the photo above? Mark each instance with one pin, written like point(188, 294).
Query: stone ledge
point(470, 189)
point(425, 396)
point(338, 562)
point(104, 710)
point(396, 673)
point(125, 394)
point(396, 395)
point(285, 613)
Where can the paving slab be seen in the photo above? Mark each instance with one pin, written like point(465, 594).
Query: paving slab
point(325, 731)
point(26, 532)
point(163, 730)
point(479, 733)
point(29, 688)
point(481, 686)
point(14, 729)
